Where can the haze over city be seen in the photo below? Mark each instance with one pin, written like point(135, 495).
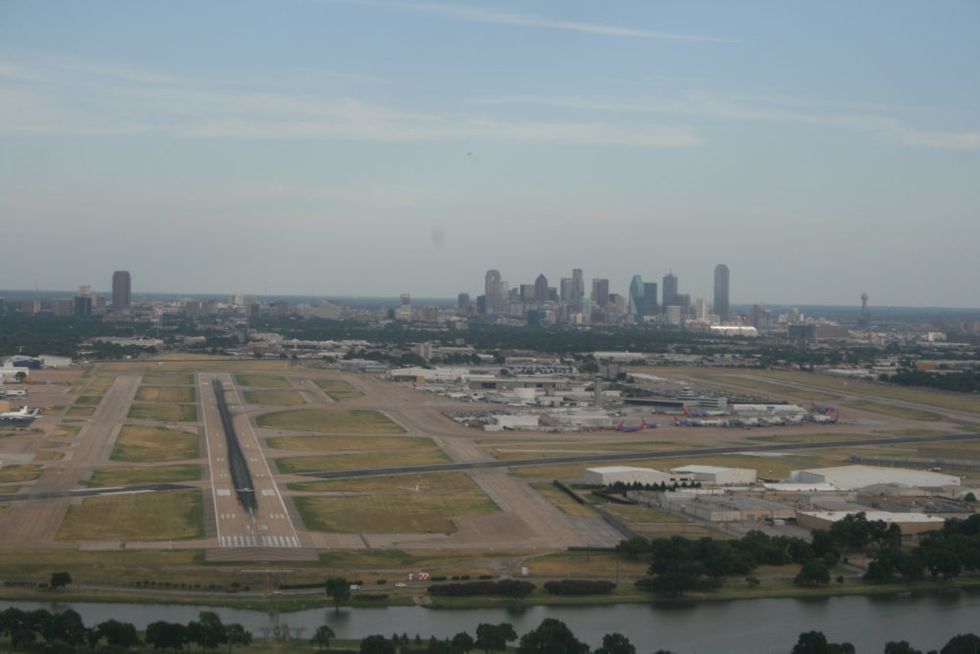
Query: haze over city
point(372, 148)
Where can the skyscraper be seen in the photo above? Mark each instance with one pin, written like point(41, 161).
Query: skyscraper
point(670, 290)
point(541, 293)
point(721, 292)
point(120, 289)
point(600, 292)
point(637, 298)
point(493, 291)
point(650, 307)
point(578, 287)
point(565, 290)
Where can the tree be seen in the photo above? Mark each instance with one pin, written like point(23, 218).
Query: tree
point(551, 637)
point(616, 644)
point(237, 635)
point(814, 642)
point(633, 547)
point(166, 635)
point(119, 634)
point(59, 580)
point(962, 644)
point(377, 644)
point(322, 636)
point(462, 642)
point(338, 589)
point(813, 573)
point(669, 583)
point(900, 647)
point(494, 637)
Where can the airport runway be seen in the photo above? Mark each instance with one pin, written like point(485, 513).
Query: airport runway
point(271, 525)
point(633, 456)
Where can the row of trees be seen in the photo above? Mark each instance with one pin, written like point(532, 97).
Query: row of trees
point(943, 554)
point(65, 633)
point(554, 637)
point(963, 382)
point(679, 564)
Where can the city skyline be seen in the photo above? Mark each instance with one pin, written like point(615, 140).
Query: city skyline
point(820, 157)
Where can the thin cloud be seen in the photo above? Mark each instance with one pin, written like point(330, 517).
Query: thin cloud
point(759, 109)
point(472, 15)
point(126, 101)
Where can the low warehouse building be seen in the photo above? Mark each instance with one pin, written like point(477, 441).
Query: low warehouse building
point(855, 477)
point(909, 523)
point(608, 475)
point(717, 475)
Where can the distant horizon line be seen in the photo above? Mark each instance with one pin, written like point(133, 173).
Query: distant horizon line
point(451, 299)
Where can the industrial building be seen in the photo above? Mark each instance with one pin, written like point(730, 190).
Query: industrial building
point(717, 475)
point(608, 475)
point(855, 477)
point(909, 523)
point(725, 508)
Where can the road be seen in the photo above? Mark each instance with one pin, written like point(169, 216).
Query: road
point(91, 492)
point(633, 456)
point(271, 525)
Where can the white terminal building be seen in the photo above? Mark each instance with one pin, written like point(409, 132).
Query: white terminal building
point(717, 475)
point(855, 477)
point(609, 475)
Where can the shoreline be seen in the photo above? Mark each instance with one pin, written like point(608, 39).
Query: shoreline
point(294, 603)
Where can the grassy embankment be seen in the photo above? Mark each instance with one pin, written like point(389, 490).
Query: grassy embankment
point(141, 444)
point(274, 397)
point(406, 504)
point(327, 421)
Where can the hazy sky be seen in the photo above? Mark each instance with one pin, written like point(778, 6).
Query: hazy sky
point(374, 147)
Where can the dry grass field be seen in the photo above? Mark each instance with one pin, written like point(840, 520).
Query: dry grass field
point(80, 412)
point(338, 389)
point(566, 504)
point(262, 381)
point(18, 473)
point(330, 422)
point(655, 523)
point(164, 412)
point(65, 431)
point(88, 400)
point(141, 444)
point(393, 505)
point(359, 460)
point(902, 412)
point(582, 565)
point(137, 475)
point(166, 394)
point(145, 516)
point(274, 398)
point(168, 378)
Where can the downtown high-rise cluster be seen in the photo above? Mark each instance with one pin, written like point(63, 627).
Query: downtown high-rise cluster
point(572, 302)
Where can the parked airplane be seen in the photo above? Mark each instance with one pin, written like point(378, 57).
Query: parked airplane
point(631, 428)
point(823, 408)
point(20, 418)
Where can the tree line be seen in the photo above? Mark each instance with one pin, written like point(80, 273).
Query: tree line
point(65, 633)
